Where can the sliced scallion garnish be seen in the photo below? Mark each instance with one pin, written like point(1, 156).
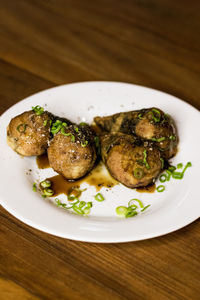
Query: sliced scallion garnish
point(131, 202)
point(34, 187)
point(84, 144)
point(21, 128)
point(160, 188)
point(145, 159)
point(99, 197)
point(121, 210)
point(140, 116)
point(48, 192)
point(45, 183)
point(156, 115)
point(38, 110)
point(163, 138)
point(179, 166)
point(172, 137)
point(131, 214)
point(138, 173)
point(163, 178)
point(162, 163)
point(145, 208)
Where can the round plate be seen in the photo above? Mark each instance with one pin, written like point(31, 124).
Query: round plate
point(176, 207)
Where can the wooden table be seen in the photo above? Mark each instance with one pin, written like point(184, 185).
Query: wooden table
point(44, 43)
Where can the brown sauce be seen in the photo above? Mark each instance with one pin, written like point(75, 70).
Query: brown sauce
point(42, 161)
point(147, 189)
point(98, 177)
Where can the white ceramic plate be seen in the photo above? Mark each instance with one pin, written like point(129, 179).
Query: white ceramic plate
point(176, 207)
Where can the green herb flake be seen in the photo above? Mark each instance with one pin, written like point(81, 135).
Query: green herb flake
point(99, 197)
point(34, 187)
point(21, 128)
point(38, 110)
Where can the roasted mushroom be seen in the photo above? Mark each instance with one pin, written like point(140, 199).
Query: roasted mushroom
point(132, 162)
point(29, 133)
point(72, 151)
point(148, 124)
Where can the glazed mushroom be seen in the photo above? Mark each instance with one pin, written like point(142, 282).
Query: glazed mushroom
point(130, 161)
point(72, 151)
point(29, 133)
point(148, 124)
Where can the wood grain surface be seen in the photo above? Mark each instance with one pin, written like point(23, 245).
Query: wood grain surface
point(44, 43)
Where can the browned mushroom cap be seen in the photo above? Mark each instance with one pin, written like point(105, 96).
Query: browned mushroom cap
point(29, 134)
point(72, 151)
point(156, 126)
point(131, 162)
point(149, 124)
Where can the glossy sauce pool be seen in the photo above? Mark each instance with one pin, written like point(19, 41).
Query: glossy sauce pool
point(99, 177)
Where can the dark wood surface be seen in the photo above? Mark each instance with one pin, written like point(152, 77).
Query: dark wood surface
point(44, 43)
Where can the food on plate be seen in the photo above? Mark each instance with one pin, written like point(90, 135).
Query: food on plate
point(72, 151)
point(150, 124)
point(29, 133)
point(129, 160)
point(133, 145)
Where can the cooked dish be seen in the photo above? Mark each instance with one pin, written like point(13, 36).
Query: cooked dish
point(133, 145)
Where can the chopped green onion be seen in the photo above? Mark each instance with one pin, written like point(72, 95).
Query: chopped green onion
point(169, 175)
point(34, 187)
point(172, 168)
point(63, 205)
point(99, 197)
point(45, 122)
point(163, 178)
point(62, 130)
point(145, 208)
point(145, 159)
point(140, 116)
point(89, 204)
point(177, 175)
point(84, 144)
point(23, 128)
point(72, 138)
point(172, 137)
point(45, 183)
point(159, 139)
point(48, 192)
point(81, 204)
point(179, 166)
point(133, 206)
point(138, 173)
point(83, 124)
point(139, 201)
point(38, 110)
point(86, 210)
point(162, 163)
point(56, 126)
point(78, 210)
point(160, 188)
point(131, 214)
point(76, 129)
point(156, 115)
point(121, 210)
